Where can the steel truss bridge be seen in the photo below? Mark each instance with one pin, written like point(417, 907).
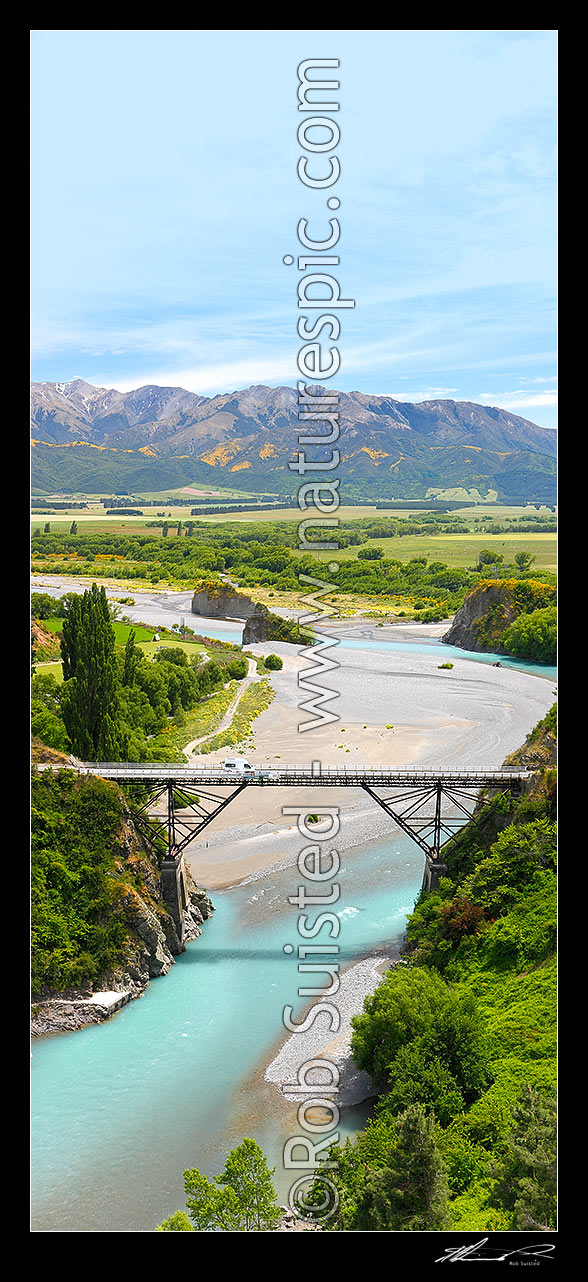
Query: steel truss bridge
point(430, 806)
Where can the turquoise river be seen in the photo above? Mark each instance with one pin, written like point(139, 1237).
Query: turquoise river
point(175, 1079)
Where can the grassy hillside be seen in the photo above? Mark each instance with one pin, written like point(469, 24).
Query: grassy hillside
point(461, 1038)
point(75, 467)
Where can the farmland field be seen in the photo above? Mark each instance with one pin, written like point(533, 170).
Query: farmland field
point(121, 631)
point(95, 515)
point(101, 523)
point(458, 549)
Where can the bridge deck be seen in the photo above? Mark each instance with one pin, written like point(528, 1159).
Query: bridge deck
point(298, 776)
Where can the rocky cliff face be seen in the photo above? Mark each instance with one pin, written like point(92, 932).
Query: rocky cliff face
point(490, 608)
point(44, 644)
point(151, 946)
point(260, 627)
point(539, 751)
point(154, 941)
point(265, 626)
point(223, 603)
point(485, 614)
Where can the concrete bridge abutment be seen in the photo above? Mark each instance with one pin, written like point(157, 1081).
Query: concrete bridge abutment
point(174, 890)
point(435, 869)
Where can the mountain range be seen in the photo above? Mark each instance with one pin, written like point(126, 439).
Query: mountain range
point(90, 439)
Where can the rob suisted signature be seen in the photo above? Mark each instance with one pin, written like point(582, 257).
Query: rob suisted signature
point(479, 1251)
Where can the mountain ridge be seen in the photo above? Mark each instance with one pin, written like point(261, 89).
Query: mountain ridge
point(399, 448)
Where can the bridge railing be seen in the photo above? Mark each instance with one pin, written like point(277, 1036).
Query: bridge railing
point(297, 774)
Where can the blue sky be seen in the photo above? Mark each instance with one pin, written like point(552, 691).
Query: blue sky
point(165, 196)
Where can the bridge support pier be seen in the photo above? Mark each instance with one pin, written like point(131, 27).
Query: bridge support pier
point(434, 870)
point(174, 890)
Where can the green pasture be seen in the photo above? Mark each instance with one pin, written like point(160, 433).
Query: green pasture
point(121, 630)
point(102, 524)
point(503, 512)
point(50, 669)
point(191, 647)
point(217, 494)
point(143, 637)
point(170, 512)
point(457, 550)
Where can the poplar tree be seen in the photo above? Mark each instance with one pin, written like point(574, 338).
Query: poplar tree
point(131, 660)
point(90, 707)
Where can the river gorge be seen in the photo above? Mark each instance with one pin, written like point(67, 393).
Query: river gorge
point(176, 1078)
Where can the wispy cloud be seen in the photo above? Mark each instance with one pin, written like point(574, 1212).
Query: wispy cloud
point(210, 380)
point(520, 399)
point(161, 258)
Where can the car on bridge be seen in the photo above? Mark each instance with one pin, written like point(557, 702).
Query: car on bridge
point(238, 766)
point(241, 767)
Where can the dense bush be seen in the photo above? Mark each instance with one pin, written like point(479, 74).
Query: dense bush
point(123, 693)
point(237, 668)
point(48, 727)
point(78, 929)
point(258, 556)
point(273, 662)
point(465, 1030)
point(533, 636)
point(370, 554)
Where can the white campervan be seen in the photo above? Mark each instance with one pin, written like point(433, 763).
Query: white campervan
point(238, 766)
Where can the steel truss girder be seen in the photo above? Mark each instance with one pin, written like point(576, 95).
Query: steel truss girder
point(178, 827)
point(430, 832)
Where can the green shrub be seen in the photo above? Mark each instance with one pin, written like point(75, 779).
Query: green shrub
point(533, 636)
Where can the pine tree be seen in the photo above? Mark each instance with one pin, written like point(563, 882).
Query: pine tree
point(527, 1178)
point(90, 706)
point(411, 1194)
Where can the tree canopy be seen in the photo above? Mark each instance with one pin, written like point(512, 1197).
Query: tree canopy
point(241, 1199)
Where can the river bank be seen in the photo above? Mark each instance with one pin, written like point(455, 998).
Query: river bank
point(394, 707)
point(390, 709)
point(175, 1080)
point(353, 1086)
point(178, 1078)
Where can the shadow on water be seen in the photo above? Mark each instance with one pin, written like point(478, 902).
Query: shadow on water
point(212, 957)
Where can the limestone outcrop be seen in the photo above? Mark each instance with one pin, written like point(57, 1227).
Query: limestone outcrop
point(259, 628)
point(265, 626)
point(490, 608)
point(216, 601)
point(485, 614)
point(222, 602)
